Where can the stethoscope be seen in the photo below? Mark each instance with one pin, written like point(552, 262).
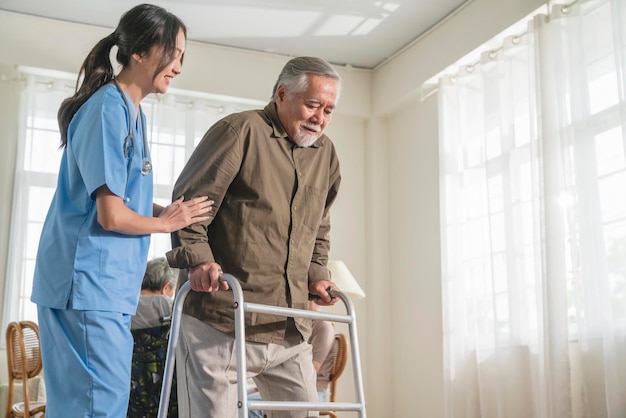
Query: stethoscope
point(129, 141)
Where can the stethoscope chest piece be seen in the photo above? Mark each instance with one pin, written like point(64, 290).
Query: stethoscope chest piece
point(146, 167)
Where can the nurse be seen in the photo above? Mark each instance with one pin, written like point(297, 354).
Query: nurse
point(94, 243)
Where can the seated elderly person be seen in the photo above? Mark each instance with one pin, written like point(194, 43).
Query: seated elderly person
point(157, 291)
point(150, 327)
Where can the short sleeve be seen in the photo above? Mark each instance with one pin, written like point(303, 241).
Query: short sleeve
point(97, 135)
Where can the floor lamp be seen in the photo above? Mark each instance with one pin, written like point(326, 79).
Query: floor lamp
point(344, 280)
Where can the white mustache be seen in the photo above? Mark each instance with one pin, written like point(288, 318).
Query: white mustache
point(312, 127)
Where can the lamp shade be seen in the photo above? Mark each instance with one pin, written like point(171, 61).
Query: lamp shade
point(344, 280)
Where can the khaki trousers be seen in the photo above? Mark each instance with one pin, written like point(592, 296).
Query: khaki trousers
point(207, 380)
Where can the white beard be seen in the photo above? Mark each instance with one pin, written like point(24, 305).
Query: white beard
point(303, 138)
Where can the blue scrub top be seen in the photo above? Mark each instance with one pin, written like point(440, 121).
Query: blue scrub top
point(79, 264)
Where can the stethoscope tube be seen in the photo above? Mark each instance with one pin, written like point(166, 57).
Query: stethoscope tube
point(129, 141)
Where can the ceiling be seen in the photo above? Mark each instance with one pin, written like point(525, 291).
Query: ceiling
point(357, 33)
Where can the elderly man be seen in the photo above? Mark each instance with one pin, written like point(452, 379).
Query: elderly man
point(273, 175)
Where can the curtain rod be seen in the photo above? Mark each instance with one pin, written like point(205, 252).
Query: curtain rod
point(179, 98)
point(188, 94)
point(429, 87)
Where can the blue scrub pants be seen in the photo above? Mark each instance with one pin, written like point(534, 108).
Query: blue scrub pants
point(87, 359)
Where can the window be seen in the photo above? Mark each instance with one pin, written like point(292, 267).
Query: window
point(533, 169)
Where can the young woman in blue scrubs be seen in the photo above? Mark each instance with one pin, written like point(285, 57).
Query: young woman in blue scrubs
point(94, 243)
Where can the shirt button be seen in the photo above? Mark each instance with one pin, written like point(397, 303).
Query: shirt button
point(295, 208)
point(300, 173)
point(127, 199)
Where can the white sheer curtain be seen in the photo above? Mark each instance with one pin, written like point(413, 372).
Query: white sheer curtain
point(37, 162)
point(177, 122)
point(533, 173)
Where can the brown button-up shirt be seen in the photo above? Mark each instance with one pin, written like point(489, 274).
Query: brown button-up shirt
point(271, 223)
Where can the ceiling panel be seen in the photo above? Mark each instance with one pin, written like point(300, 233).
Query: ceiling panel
point(360, 33)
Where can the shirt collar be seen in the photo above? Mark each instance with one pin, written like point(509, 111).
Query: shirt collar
point(278, 128)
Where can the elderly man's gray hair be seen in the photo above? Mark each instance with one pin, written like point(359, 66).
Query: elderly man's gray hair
point(294, 73)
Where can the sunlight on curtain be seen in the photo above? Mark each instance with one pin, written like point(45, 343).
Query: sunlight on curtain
point(38, 159)
point(533, 169)
point(584, 68)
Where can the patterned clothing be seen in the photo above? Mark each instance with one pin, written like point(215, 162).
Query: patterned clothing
point(147, 372)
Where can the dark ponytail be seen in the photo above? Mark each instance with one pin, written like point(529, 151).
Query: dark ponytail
point(97, 71)
point(140, 28)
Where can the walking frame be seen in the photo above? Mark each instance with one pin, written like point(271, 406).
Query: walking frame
point(243, 404)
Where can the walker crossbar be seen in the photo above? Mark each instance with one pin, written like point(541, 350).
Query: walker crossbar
point(296, 313)
point(307, 406)
point(240, 343)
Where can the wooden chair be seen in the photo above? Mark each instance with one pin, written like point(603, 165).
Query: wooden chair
point(340, 364)
point(23, 363)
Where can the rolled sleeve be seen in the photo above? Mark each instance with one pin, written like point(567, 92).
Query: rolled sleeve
point(209, 172)
point(318, 272)
point(184, 257)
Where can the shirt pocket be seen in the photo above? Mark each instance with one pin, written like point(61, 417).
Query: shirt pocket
point(313, 207)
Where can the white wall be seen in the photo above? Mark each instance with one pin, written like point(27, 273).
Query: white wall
point(8, 133)
point(386, 219)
